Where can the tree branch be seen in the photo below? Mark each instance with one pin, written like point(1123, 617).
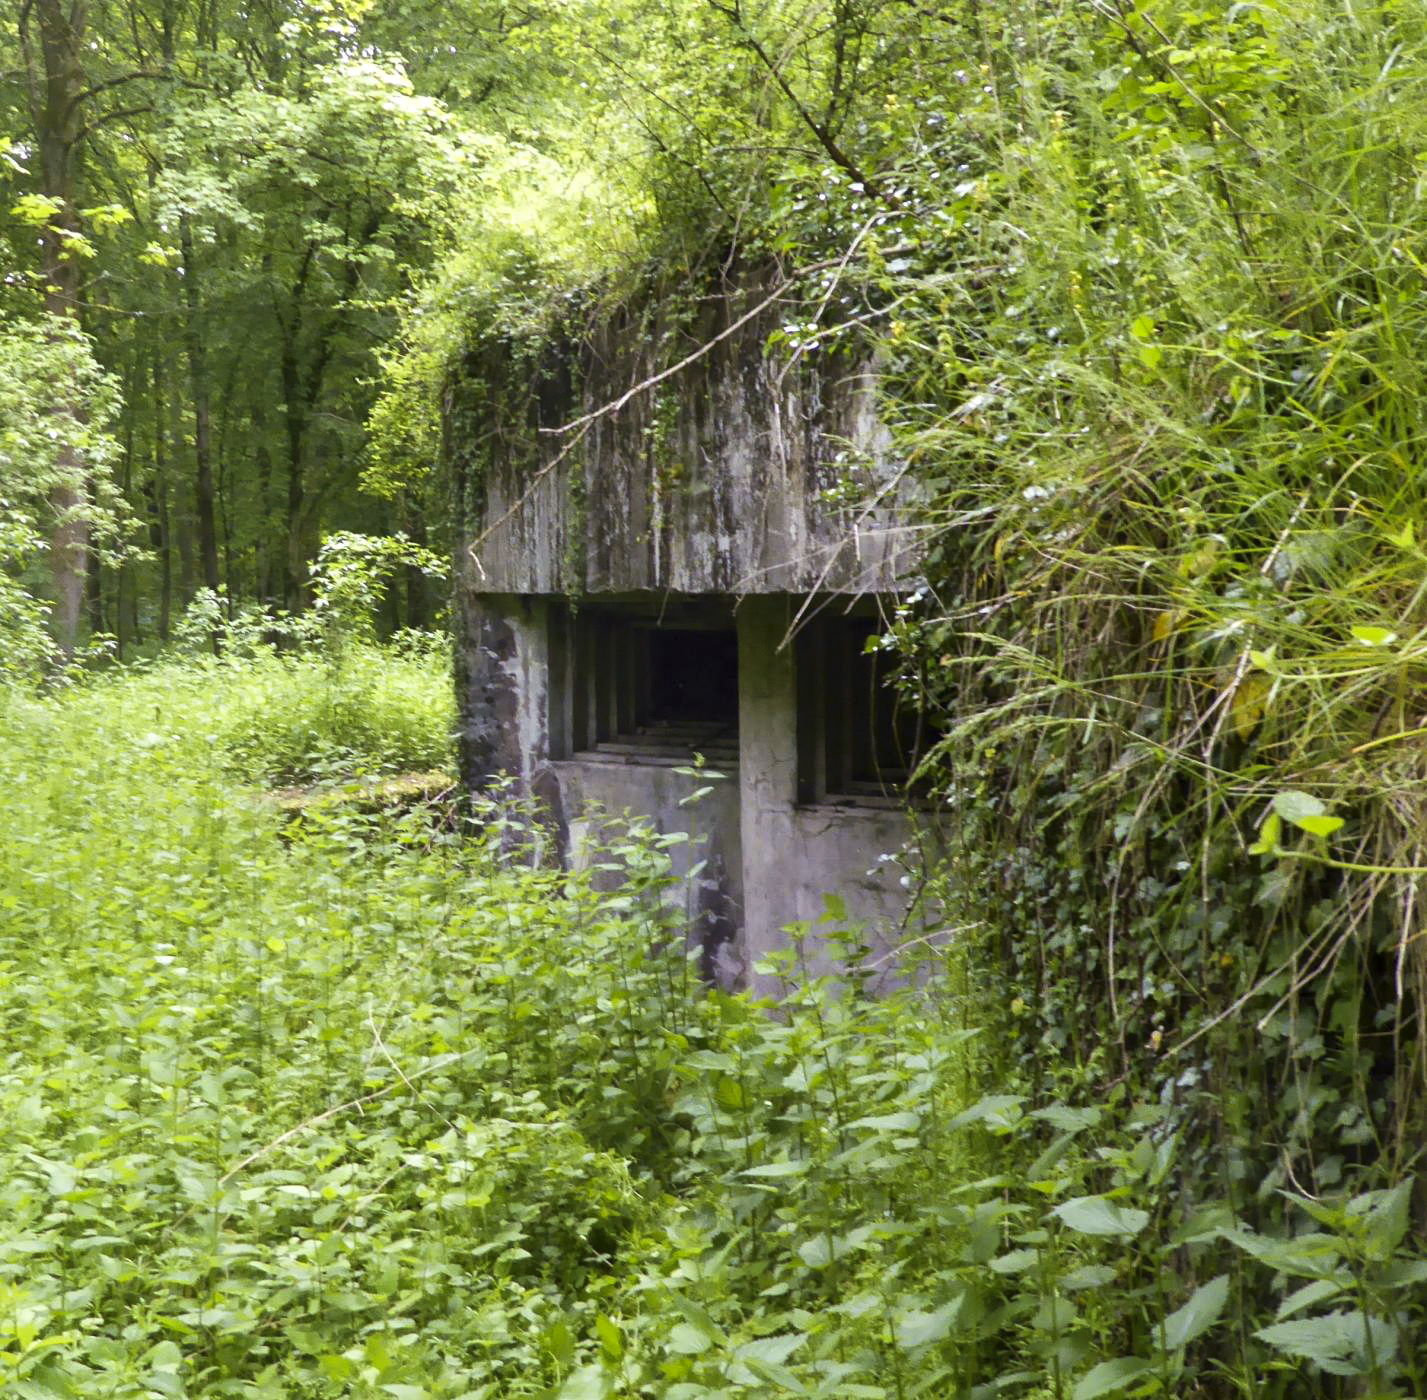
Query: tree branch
point(825, 138)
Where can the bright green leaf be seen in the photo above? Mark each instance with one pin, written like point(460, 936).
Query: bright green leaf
point(1374, 636)
point(1198, 1315)
point(1097, 1215)
point(1110, 1376)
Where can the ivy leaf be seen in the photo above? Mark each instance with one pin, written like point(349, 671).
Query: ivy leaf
point(1098, 1215)
point(1198, 1315)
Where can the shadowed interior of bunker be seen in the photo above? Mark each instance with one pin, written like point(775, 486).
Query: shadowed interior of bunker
point(693, 675)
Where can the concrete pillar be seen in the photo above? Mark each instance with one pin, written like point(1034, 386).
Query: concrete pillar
point(768, 775)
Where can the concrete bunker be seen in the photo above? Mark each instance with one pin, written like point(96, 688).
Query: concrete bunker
point(687, 584)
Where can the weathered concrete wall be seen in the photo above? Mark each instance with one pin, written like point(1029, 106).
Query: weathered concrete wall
point(714, 907)
point(502, 687)
point(796, 855)
point(771, 861)
point(714, 481)
point(715, 488)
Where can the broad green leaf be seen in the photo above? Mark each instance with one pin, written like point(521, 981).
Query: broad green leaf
point(1310, 1256)
point(1250, 704)
point(778, 1169)
point(1098, 1215)
point(1402, 1273)
point(588, 1383)
point(1269, 835)
point(611, 1339)
point(1306, 1296)
point(1087, 1276)
point(822, 1250)
point(1110, 1376)
point(1068, 1120)
point(1055, 1314)
point(990, 1388)
point(889, 1122)
point(1338, 1341)
point(1374, 636)
point(1198, 1315)
point(1293, 806)
point(997, 1111)
point(687, 1340)
point(751, 1371)
point(559, 1341)
point(1017, 1261)
point(1386, 1215)
point(1321, 826)
point(776, 1349)
point(919, 1329)
point(696, 1317)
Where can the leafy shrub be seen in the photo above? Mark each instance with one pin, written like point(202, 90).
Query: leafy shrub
point(295, 719)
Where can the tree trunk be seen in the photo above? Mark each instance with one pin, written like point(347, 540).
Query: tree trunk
point(415, 526)
point(159, 533)
point(57, 91)
point(197, 352)
point(294, 560)
point(266, 548)
point(94, 591)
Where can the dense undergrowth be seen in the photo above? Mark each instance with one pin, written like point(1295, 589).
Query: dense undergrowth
point(379, 1103)
point(363, 1103)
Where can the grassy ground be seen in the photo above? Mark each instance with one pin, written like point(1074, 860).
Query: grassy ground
point(352, 1102)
